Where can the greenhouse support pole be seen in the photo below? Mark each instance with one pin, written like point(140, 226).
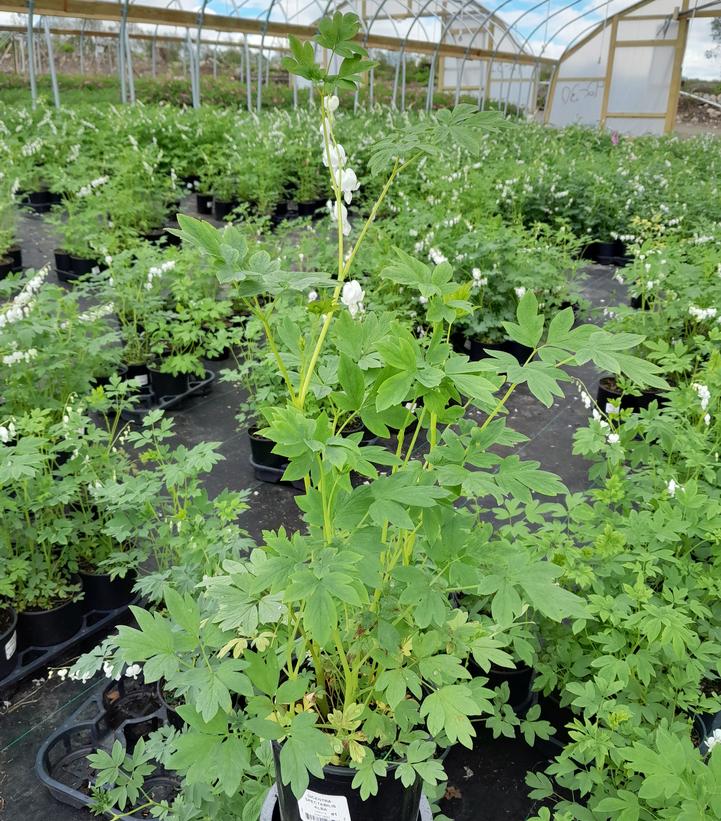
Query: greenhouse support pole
point(370, 87)
point(129, 67)
point(23, 68)
point(82, 48)
point(31, 54)
point(198, 55)
point(267, 71)
point(215, 62)
point(121, 57)
point(51, 62)
point(248, 92)
point(431, 81)
point(259, 98)
point(394, 97)
point(295, 91)
point(191, 66)
point(154, 58)
point(403, 82)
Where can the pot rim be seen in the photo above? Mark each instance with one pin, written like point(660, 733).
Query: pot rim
point(337, 769)
point(68, 602)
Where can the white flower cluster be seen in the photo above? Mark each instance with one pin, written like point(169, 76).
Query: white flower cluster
point(22, 304)
point(132, 671)
point(97, 313)
point(19, 356)
point(334, 158)
point(520, 291)
point(713, 739)
point(7, 432)
point(672, 487)
point(479, 281)
point(436, 257)
point(703, 393)
point(32, 147)
point(93, 185)
point(702, 314)
point(157, 271)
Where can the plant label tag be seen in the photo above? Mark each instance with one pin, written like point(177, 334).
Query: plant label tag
point(467, 344)
point(315, 806)
point(141, 380)
point(10, 646)
point(95, 270)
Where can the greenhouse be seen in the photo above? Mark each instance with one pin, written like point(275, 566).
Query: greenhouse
point(360, 410)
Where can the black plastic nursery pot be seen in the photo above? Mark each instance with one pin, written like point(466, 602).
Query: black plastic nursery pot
point(104, 379)
point(44, 628)
point(82, 266)
point(622, 258)
point(608, 397)
point(7, 266)
point(311, 207)
point(62, 260)
point(222, 208)
point(103, 593)
point(204, 203)
point(168, 702)
point(168, 384)
point(8, 639)
point(519, 681)
point(156, 235)
point(41, 201)
point(639, 304)
point(270, 811)
point(140, 373)
point(15, 252)
point(356, 426)
point(261, 452)
point(333, 797)
point(605, 253)
point(172, 239)
point(222, 355)
point(558, 717)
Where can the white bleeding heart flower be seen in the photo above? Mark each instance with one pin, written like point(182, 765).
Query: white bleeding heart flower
point(335, 156)
point(352, 297)
point(348, 184)
point(333, 209)
point(331, 103)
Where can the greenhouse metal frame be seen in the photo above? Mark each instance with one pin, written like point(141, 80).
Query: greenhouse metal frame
point(621, 71)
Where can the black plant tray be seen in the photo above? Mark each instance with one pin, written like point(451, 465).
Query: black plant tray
point(149, 401)
point(270, 811)
point(124, 711)
point(274, 476)
point(32, 659)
